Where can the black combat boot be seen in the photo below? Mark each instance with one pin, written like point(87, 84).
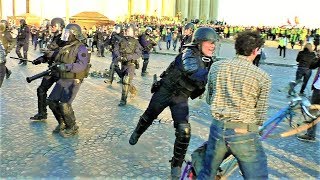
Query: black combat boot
point(71, 128)
point(142, 126)
point(183, 134)
point(42, 105)
point(144, 67)
point(8, 73)
point(60, 127)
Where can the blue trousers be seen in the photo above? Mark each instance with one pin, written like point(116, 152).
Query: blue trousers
point(246, 148)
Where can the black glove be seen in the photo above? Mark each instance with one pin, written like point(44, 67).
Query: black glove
point(137, 64)
point(39, 60)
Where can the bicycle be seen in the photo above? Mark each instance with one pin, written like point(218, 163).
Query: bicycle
point(299, 117)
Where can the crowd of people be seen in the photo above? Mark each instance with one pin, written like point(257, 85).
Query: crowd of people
point(237, 89)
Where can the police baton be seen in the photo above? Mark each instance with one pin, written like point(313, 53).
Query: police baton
point(21, 59)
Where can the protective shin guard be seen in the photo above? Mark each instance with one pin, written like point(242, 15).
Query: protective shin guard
point(69, 120)
point(144, 66)
point(55, 108)
point(125, 90)
point(68, 114)
point(183, 135)
point(42, 105)
point(133, 91)
point(142, 126)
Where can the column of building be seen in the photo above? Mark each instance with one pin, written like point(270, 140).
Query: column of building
point(214, 6)
point(190, 9)
point(204, 10)
point(0, 9)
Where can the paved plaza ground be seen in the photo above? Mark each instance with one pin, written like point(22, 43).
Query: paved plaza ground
point(29, 150)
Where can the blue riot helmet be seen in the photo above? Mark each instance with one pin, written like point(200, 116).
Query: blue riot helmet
point(189, 26)
point(73, 29)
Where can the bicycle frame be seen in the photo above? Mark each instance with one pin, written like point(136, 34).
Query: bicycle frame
point(230, 165)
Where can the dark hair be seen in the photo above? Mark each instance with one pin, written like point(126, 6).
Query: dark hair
point(247, 41)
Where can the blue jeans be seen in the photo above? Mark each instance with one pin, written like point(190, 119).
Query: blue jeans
point(246, 148)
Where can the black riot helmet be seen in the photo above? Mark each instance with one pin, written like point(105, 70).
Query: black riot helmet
point(22, 22)
point(130, 30)
point(204, 34)
point(58, 23)
point(74, 29)
point(3, 25)
point(5, 22)
point(189, 26)
point(117, 29)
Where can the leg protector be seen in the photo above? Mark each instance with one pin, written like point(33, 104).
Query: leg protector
point(142, 126)
point(183, 134)
point(68, 114)
point(125, 90)
point(144, 67)
point(69, 120)
point(55, 108)
point(133, 91)
point(42, 96)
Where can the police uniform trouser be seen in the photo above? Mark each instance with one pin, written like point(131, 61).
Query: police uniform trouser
point(127, 70)
point(62, 95)
point(2, 72)
point(25, 46)
point(179, 111)
point(42, 90)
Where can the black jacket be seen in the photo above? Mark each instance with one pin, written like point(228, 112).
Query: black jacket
point(305, 58)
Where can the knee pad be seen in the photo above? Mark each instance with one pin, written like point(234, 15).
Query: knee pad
point(183, 132)
point(66, 108)
point(145, 61)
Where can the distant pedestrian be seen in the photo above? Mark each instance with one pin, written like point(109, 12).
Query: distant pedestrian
point(283, 42)
point(305, 58)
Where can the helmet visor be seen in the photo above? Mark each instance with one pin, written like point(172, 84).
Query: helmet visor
point(65, 34)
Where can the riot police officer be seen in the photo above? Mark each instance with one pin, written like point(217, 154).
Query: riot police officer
point(187, 36)
point(23, 41)
point(127, 52)
point(2, 57)
point(57, 24)
point(73, 68)
point(147, 42)
point(185, 77)
point(114, 39)
point(7, 41)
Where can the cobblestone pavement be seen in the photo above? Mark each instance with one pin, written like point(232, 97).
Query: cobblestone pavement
point(101, 150)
